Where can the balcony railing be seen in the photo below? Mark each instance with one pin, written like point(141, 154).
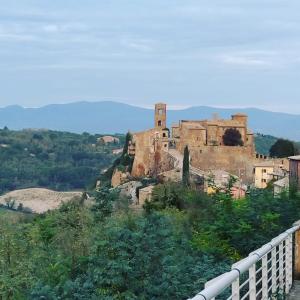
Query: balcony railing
point(266, 273)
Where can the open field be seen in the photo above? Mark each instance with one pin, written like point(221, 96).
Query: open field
point(38, 200)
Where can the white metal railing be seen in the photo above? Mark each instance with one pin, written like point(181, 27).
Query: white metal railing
point(264, 274)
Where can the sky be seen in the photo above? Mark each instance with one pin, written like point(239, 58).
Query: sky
point(225, 53)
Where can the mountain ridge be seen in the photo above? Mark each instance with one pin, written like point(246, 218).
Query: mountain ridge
point(112, 117)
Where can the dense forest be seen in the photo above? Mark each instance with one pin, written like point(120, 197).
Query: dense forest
point(52, 159)
point(166, 251)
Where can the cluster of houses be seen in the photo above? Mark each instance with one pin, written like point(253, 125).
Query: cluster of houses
point(274, 174)
point(280, 174)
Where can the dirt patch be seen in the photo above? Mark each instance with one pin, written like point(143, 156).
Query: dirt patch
point(37, 199)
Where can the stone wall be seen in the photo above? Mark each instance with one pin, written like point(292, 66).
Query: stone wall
point(118, 178)
point(151, 156)
point(235, 160)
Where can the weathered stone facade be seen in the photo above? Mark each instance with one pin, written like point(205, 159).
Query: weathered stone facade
point(118, 178)
point(205, 142)
point(151, 153)
point(150, 148)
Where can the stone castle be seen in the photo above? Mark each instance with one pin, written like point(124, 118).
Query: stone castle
point(154, 150)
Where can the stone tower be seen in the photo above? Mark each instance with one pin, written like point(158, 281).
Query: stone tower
point(241, 118)
point(160, 115)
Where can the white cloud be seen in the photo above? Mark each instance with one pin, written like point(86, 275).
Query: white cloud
point(139, 44)
point(256, 58)
point(244, 61)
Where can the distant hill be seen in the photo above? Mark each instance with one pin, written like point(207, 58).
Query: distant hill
point(111, 117)
point(263, 143)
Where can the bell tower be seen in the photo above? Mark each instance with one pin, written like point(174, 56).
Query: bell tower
point(160, 115)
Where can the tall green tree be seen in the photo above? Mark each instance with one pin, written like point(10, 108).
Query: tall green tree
point(283, 148)
point(128, 138)
point(186, 167)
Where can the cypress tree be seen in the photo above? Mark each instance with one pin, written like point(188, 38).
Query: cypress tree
point(186, 167)
point(128, 138)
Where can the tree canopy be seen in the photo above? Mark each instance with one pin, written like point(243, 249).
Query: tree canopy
point(232, 137)
point(52, 159)
point(181, 240)
point(283, 148)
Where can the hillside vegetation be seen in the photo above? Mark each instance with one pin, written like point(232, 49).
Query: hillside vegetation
point(168, 251)
point(263, 143)
point(52, 159)
point(180, 239)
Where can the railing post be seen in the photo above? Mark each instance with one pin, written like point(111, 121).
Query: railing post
point(274, 275)
point(264, 275)
point(288, 263)
point(297, 255)
point(236, 289)
point(252, 282)
point(281, 287)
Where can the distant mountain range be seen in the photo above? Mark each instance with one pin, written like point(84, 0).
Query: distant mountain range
point(113, 117)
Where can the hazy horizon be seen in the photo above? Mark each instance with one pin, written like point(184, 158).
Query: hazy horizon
point(151, 107)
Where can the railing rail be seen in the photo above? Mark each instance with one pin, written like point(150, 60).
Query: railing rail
point(265, 273)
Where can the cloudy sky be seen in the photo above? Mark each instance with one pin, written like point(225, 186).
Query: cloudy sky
point(228, 53)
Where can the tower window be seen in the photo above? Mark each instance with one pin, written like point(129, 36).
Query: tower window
point(159, 123)
point(160, 111)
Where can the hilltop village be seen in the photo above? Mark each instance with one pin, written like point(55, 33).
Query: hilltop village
point(214, 158)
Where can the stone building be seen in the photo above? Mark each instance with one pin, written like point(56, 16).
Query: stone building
point(210, 132)
point(269, 170)
point(107, 139)
point(207, 150)
point(150, 148)
point(145, 194)
point(154, 149)
point(295, 170)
